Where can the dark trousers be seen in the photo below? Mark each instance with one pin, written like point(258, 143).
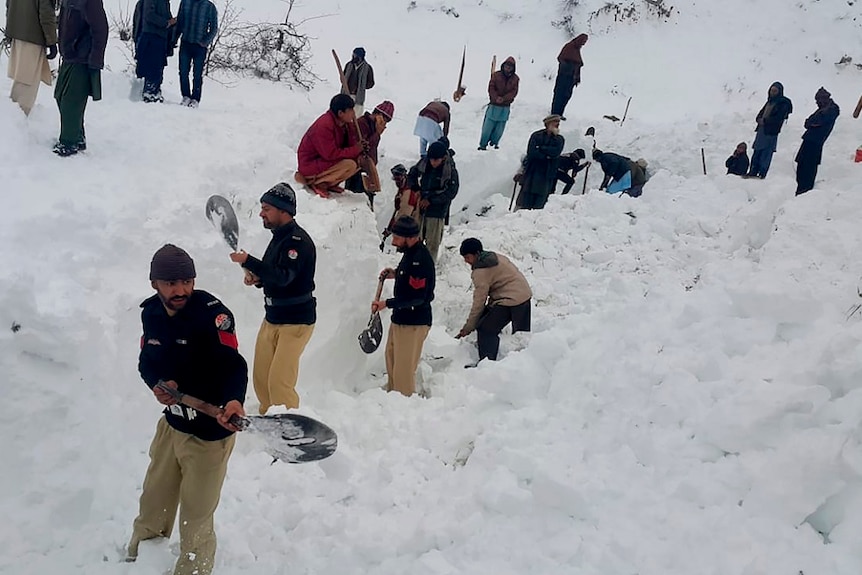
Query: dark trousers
point(152, 54)
point(492, 322)
point(563, 88)
point(760, 162)
point(192, 58)
point(532, 201)
point(807, 161)
point(72, 90)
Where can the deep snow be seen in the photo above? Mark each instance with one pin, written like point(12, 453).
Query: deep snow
point(688, 401)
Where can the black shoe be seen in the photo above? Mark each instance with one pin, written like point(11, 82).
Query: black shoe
point(64, 151)
point(82, 145)
point(496, 147)
point(482, 148)
point(563, 118)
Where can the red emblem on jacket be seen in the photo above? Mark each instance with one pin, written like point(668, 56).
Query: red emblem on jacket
point(416, 283)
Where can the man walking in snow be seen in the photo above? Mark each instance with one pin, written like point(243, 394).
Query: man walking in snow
point(153, 40)
point(770, 120)
point(31, 25)
point(621, 173)
point(540, 165)
point(325, 156)
point(286, 275)
point(428, 124)
point(818, 126)
point(501, 295)
point(502, 90)
point(82, 37)
point(188, 345)
point(410, 304)
point(568, 74)
point(197, 25)
point(436, 179)
point(360, 77)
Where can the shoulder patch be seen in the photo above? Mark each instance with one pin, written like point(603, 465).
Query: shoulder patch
point(292, 254)
point(223, 322)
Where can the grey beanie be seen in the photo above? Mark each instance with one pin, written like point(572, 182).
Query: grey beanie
point(281, 196)
point(171, 263)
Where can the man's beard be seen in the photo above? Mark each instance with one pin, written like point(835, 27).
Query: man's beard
point(401, 249)
point(176, 303)
point(555, 130)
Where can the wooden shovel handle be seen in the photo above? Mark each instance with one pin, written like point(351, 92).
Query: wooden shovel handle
point(204, 407)
point(379, 290)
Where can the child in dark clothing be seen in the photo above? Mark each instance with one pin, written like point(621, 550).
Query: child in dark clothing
point(737, 164)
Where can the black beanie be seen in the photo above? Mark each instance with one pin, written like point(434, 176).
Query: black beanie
point(171, 263)
point(406, 227)
point(471, 246)
point(281, 196)
point(437, 150)
point(580, 153)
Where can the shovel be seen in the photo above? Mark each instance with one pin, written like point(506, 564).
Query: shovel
point(289, 437)
point(220, 213)
point(372, 335)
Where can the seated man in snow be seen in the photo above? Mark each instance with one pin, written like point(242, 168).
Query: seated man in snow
point(621, 173)
point(325, 156)
point(737, 164)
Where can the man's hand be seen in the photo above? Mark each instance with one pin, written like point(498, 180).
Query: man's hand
point(232, 408)
point(163, 396)
point(52, 51)
point(423, 204)
point(462, 333)
point(239, 257)
point(378, 305)
point(250, 279)
point(171, 22)
point(387, 274)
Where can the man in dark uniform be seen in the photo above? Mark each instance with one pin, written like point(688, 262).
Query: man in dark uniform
point(410, 304)
point(540, 165)
point(286, 274)
point(188, 344)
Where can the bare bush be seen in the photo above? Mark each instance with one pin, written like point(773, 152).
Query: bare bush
point(5, 42)
point(610, 14)
point(274, 51)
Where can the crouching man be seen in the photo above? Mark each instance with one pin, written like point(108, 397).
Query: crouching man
point(501, 295)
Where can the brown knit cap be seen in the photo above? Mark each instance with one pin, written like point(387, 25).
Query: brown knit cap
point(171, 263)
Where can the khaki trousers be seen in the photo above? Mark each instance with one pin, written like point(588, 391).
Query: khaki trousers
point(28, 66)
point(332, 176)
point(403, 351)
point(432, 233)
point(187, 472)
point(276, 363)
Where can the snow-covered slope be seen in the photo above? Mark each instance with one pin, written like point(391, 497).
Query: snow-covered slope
point(687, 403)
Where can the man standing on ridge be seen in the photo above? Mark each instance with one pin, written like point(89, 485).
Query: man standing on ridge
point(501, 295)
point(818, 126)
point(770, 119)
point(31, 25)
point(153, 41)
point(83, 37)
point(286, 275)
point(197, 26)
point(189, 345)
point(360, 77)
point(325, 156)
point(568, 74)
point(410, 304)
point(502, 90)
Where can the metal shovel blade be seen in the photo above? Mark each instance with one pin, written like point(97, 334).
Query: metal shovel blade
point(220, 213)
point(294, 438)
point(371, 336)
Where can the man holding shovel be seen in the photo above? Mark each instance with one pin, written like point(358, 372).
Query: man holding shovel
point(410, 304)
point(188, 344)
point(286, 275)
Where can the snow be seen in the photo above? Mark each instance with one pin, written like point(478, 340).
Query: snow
point(688, 402)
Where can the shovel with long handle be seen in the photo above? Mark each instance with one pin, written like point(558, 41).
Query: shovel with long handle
point(221, 215)
point(370, 337)
point(290, 437)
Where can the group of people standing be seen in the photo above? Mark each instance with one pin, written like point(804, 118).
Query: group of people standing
point(769, 121)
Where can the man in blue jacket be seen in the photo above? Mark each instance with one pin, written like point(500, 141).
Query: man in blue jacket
point(818, 126)
point(197, 25)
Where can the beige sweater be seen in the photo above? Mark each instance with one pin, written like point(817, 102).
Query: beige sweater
point(496, 281)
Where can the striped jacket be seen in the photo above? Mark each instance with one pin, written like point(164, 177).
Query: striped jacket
point(197, 22)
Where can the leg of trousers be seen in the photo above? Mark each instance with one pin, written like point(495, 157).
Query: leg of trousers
point(185, 69)
point(333, 175)
point(72, 92)
point(492, 322)
point(25, 95)
point(423, 147)
point(276, 363)
point(562, 93)
point(497, 133)
point(432, 233)
point(403, 351)
point(806, 174)
point(198, 62)
point(487, 130)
